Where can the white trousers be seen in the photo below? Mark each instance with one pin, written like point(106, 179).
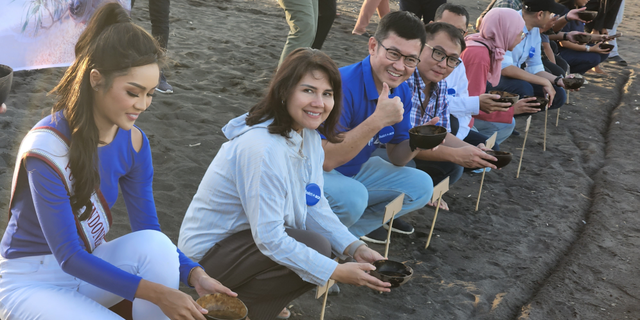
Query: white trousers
point(614, 51)
point(36, 288)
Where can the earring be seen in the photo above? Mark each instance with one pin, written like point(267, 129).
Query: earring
point(282, 102)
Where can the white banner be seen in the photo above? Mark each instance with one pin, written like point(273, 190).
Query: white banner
point(37, 34)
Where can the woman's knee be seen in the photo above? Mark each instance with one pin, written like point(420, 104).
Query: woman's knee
point(155, 243)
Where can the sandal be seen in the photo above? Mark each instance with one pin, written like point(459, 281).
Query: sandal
point(284, 314)
point(365, 34)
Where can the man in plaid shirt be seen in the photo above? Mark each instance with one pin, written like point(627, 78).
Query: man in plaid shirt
point(429, 101)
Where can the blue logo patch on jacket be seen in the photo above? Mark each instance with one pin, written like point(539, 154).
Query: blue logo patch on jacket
point(313, 194)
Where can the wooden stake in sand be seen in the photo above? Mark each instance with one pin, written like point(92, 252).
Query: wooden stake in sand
point(389, 214)
point(544, 140)
point(489, 144)
point(324, 290)
point(526, 132)
point(558, 117)
point(438, 191)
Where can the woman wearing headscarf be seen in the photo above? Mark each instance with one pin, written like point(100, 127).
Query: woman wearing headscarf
point(500, 31)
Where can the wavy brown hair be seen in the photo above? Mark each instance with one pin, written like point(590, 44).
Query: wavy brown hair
point(273, 106)
point(111, 44)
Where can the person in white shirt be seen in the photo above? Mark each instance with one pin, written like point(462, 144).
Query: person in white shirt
point(259, 221)
point(461, 106)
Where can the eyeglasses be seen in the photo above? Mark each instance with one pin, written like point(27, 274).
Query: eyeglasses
point(462, 31)
point(439, 55)
point(395, 55)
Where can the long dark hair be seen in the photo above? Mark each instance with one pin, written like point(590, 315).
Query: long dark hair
point(112, 45)
point(273, 106)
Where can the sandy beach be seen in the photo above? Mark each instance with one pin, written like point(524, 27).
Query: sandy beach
point(560, 242)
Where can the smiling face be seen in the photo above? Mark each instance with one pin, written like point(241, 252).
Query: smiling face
point(384, 70)
point(310, 101)
point(431, 70)
point(120, 104)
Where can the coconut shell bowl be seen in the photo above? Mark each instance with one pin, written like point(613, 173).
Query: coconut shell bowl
point(426, 137)
point(503, 158)
point(587, 15)
point(506, 96)
point(573, 83)
point(542, 101)
point(223, 307)
point(6, 78)
point(394, 272)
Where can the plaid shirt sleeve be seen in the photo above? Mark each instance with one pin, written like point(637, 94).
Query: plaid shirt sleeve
point(443, 106)
point(417, 86)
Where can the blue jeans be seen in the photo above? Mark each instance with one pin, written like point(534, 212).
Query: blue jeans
point(581, 61)
point(359, 201)
point(524, 88)
point(487, 128)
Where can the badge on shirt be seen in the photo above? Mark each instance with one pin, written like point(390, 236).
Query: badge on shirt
point(313, 194)
point(532, 52)
point(386, 134)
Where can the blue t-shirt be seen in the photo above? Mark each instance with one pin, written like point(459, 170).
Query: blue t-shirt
point(42, 221)
point(360, 101)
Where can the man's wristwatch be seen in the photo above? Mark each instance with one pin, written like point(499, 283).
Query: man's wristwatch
point(555, 81)
point(564, 36)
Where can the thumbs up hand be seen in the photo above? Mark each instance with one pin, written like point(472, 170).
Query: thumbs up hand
point(388, 111)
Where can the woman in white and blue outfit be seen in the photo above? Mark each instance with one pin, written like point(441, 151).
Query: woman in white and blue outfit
point(55, 262)
point(259, 221)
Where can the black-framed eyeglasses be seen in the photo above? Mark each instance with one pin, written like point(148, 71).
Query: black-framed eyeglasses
point(439, 55)
point(395, 55)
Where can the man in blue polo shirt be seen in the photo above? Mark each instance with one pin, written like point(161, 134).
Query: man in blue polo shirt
point(357, 185)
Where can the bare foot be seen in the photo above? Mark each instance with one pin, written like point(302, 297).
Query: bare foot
point(284, 314)
point(443, 204)
point(598, 70)
point(3, 108)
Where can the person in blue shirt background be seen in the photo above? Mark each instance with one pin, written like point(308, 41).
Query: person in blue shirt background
point(376, 111)
point(522, 70)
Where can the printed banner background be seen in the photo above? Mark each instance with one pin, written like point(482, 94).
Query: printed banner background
point(37, 34)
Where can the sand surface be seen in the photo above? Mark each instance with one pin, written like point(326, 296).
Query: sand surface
point(557, 243)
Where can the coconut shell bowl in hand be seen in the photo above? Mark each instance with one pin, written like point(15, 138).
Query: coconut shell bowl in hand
point(394, 272)
point(505, 96)
point(6, 78)
point(573, 83)
point(223, 307)
point(426, 137)
point(587, 15)
point(606, 46)
point(542, 101)
point(503, 158)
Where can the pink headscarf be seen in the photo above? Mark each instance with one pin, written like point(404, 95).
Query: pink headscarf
point(499, 29)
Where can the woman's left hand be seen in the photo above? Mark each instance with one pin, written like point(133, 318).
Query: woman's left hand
point(204, 284)
point(365, 254)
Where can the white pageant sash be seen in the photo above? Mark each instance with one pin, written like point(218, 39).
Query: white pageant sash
point(52, 147)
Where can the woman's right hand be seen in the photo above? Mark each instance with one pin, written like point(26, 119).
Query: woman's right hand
point(597, 49)
point(174, 303)
point(525, 105)
point(357, 274)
